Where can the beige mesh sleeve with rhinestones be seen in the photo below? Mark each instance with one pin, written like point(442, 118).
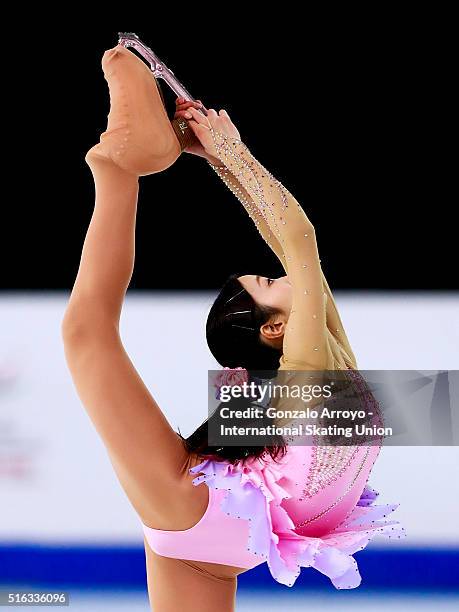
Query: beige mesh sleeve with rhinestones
point(291, 235)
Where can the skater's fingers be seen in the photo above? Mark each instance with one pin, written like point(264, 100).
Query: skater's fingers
point(187, 104)
point(200, 131)
point(199, 117)
point(224, 118)
point(182, 113)
point(181, 100)
point(201, 104)
point(213, 119)
point(219, 121)
point(212, 114)
point(223, 114)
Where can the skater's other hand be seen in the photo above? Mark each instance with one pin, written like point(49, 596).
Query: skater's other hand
point(201, 126)
point(182, 110)
point(181, 105)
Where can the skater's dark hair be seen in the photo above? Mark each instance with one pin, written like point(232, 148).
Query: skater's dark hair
point(233, 329)
point(234, 339)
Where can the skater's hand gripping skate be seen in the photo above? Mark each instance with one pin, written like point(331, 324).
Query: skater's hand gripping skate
point(206, 128)
point(182, 110)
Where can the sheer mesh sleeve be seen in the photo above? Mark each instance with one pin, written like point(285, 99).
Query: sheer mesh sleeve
point(288, 231)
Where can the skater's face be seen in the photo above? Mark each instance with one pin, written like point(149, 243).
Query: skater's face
point(275, 293)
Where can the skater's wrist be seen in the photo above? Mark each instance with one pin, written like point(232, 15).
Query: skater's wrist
point(214, 161)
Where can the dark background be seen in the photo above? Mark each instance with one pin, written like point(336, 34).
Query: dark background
point(350, 121)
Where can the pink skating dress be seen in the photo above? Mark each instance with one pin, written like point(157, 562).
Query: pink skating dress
point(313, 507)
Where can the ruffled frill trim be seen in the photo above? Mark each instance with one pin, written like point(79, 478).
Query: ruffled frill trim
point(254, 494)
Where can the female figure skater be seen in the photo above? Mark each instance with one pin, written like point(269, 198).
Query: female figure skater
point(307, 507)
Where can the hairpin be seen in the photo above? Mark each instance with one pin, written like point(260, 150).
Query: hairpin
point(237, 312)
point(232, 298)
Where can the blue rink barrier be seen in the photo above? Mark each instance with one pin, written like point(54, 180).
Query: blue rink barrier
point(407, 569)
